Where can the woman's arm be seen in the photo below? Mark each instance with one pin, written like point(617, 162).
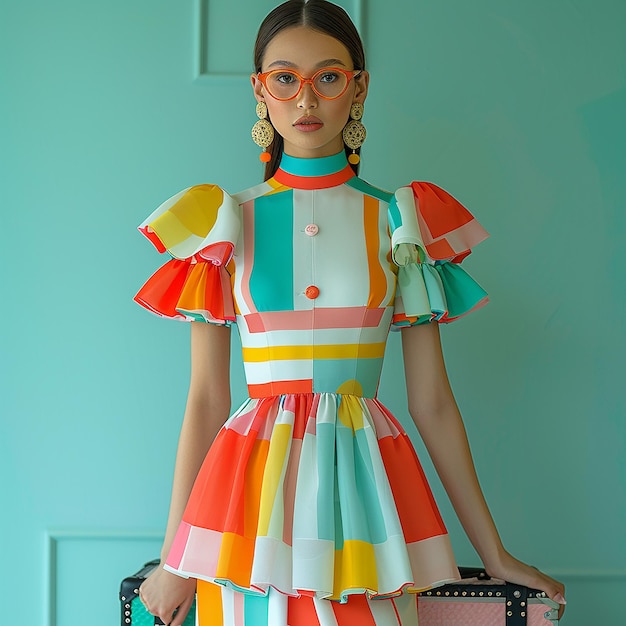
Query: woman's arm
point(208, 407)
point(436, 415)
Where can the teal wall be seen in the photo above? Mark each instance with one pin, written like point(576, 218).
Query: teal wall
point(515, 107)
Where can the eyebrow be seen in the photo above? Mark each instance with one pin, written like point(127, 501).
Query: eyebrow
point(324, 63)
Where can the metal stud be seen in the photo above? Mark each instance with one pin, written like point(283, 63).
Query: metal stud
point(522, 603)
point(523, 613)
point(509, 603)
point(123, 598)
point(517, 593)
point(509, 613)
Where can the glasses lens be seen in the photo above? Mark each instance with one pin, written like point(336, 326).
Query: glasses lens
point(330, 83)
point(282, 85)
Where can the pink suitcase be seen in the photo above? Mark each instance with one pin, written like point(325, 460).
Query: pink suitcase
point(478, 600)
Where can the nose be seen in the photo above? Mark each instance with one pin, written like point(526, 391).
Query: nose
point(307, 98)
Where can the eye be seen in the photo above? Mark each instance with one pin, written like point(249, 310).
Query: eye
point(285, 78)
point(329, 77)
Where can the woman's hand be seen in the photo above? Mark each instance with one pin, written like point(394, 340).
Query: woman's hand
point(510, 569)
point(163, 592)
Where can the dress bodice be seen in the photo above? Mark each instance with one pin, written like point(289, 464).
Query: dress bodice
point(313, 280)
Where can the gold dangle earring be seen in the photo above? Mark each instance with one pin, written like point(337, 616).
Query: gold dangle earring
point(263, 132)
point(354, 132)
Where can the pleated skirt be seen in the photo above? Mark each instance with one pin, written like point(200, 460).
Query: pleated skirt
point(311, 509)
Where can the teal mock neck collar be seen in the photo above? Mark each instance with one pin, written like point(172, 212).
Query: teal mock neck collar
point(319, 173)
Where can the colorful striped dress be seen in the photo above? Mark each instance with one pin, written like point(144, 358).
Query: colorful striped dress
point(311, 507)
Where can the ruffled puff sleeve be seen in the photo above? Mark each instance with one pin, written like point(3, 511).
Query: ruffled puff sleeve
point(199, 228)
point(431, 234)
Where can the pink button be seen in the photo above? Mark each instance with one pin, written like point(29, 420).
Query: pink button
point(311, 292)
point(311, 230)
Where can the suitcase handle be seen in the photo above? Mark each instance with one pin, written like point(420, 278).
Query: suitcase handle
point(474, 572)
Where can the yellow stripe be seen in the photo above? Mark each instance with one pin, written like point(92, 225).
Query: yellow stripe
point(294, 353)
point(350, 413)
point(355, 567)
point(279, 443)
point(275, 185)
point(195, 213)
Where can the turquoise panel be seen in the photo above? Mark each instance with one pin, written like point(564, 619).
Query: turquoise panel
point(325, 442)
point(395, 219)
point(330, 374)
point(367, 488)
point(271, 281)
point(370, 190)
point(358, 511)
point(255, 610)
point(323, 166)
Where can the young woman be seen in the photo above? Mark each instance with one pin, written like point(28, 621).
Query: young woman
point(308, 505)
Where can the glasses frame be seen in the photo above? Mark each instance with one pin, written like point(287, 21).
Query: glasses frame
point(349, 74)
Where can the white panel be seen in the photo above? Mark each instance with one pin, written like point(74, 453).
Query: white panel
point(85, 569)
point(225, 35)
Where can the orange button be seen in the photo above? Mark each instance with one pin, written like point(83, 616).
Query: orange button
point(311, 292)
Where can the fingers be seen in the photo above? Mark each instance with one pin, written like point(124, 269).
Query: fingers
point(554, 589)
point(161, 615)
point(516, 571)
point(182, 612)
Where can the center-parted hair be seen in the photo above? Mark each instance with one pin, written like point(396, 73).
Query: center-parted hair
point(320, 15)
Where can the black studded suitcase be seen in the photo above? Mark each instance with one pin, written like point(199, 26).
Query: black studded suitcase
point(478, 600)
point(133, 611)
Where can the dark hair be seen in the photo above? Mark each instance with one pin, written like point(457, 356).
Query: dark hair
point(320, 15)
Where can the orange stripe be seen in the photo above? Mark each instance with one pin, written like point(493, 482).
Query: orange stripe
point(378, 282)
point(235, 559)
point(417, 509)
point(279, 387)
point(209, 599)
point(356, 612)
point(314, 182)
point(302, 611)
point(230, 480)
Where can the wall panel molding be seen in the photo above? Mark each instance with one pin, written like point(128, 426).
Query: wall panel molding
point(204, 70)
point(54, 540)
point(596, 575)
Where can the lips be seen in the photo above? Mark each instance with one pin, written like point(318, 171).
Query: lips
point(308, 123)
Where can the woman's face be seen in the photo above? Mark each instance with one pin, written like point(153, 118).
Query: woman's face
point(309, 125)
